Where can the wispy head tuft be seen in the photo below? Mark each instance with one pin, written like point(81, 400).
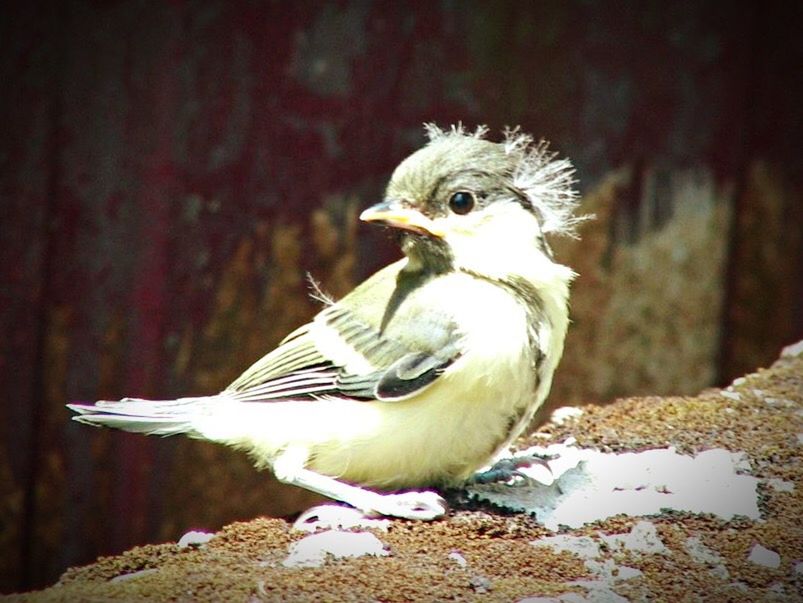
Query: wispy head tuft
point(546, 181)
point(434, 133)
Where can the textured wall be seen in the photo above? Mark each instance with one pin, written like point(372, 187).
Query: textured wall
point(170, 171)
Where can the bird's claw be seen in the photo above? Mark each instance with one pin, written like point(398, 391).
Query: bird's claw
point(337, 517)
point(506, 469)
point(412, 505)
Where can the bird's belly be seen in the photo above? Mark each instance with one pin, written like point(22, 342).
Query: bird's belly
point(434, 439)
point(455, 426)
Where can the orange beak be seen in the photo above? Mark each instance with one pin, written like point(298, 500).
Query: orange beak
point(393, 213)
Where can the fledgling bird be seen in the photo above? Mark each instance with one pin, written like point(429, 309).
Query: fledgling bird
point(432, 366)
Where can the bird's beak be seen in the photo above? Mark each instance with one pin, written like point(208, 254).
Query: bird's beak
point(393, 213)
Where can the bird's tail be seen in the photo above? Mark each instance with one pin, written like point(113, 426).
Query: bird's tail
point(153, 417)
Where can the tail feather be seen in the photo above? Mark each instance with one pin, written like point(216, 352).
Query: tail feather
point(153, 417)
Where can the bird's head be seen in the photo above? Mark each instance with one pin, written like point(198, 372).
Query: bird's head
point(463, 202)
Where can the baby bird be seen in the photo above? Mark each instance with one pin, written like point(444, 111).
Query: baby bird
point(429, 369)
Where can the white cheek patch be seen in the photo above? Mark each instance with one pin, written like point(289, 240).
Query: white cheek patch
point(453, 224)
point(496, 241)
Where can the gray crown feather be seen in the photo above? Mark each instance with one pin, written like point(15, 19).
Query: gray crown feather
point(547, 182)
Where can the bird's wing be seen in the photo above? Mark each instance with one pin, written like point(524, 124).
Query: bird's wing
point(294, 369)
point(346, 351)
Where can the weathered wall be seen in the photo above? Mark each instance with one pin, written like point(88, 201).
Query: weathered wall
point(169, 172)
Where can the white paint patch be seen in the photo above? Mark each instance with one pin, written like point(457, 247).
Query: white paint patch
point(780, 485)
point(608, 573)
point(792, 351)
point(779, 402)
point(194, 538)
point(765, 557)
point(592, 486)
point(584, 547)
point(601, 564)
point(561, 415)
point(780, 591)
point(134, 575)
point(700, 553)
point(643, 538)
point(313, 550)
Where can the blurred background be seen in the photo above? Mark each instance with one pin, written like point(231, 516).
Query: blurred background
point(169, 172)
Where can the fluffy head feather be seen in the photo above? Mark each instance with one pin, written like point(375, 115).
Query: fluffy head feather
point(547, 182)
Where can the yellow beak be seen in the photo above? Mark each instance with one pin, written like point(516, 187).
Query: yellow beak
point(393, 213)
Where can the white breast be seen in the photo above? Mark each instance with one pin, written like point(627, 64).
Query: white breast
point(456, 425)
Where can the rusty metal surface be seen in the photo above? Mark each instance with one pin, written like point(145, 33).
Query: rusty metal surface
point(169, 172)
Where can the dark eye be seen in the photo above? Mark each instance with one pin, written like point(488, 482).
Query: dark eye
point(461, 202)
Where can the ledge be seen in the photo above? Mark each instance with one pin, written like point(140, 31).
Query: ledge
point(489, 552)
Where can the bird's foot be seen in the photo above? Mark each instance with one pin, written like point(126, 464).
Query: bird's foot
point(507, 469)
point(336, 517)
point(425, 505)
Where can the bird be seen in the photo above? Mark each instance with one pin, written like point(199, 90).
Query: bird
point(424, 374)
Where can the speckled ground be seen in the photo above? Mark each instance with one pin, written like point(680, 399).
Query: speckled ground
point(484, 554)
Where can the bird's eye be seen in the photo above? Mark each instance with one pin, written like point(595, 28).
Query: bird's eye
point(461, 202)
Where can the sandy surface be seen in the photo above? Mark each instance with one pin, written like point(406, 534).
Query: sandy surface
point(484, 553)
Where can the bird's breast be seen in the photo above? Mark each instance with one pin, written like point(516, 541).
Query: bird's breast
point(456, 425)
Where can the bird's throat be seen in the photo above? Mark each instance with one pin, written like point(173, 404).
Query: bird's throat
point(430, 253)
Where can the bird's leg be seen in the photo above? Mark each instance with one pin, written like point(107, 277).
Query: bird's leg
point(507, 468)
point(289, 469)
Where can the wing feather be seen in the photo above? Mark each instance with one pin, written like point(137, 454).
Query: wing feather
point(395, 364)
